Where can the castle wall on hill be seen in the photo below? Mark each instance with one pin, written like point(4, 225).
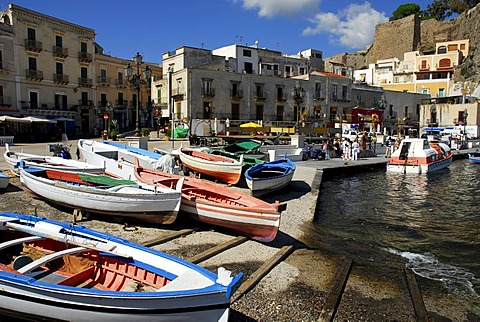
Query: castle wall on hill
point(394, 38)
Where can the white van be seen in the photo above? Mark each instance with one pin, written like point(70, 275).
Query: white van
point(351, 134)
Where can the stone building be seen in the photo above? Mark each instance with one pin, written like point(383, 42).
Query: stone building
point(246, 83)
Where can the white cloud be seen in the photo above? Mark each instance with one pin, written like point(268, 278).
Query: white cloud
point(353, 27)
point(271, 8)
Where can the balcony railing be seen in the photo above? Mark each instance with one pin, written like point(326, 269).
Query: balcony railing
point(317, 96)
point(103, 80)
point(281, 98)
point(236, 95)
point(260, 95)
point(60, 78)
point(208, 92)
point(178, 91)
point(120, 82)
point(5, 101)
point(84, 57)
point(34, 74)
point(60, 51)
point(85, 82)
point(33, 45)
point(85, 103)
point(121, 103)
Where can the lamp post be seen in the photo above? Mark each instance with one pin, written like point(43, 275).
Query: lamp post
point(298, 94)
point(137, 80)
point(465, 115)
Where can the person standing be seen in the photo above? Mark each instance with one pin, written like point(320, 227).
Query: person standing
point(345, 149)
point(355, 150)
point(326, 149)
point(364, 140)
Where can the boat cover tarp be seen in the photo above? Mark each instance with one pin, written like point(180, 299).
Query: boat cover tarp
point(105, 180)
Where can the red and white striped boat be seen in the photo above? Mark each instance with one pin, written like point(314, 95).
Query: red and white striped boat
point(219, 205)
point(418, 156)
point(216, 166)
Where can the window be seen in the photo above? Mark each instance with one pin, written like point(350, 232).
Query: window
point(84, 98)
point(32, 63)
point(207, 89)
point(120, 99)
point(247, 53)
point(58, 68)
point(425, 91)
point(318, 90)
point(83, 72)
point(33, 98)
point(235, 111)
point(103, 75)
point(344, 92)
point(259, 90)
point(334, 91)
point(302, 70)
point(103, 99)
point(60, 101)
point(58, 41)
point(120, 78)
point(207, 110)
point(280, 110)
point(31, 34)
point(444, 63)
point(259, 112)
point(280, 93)
point(423, 64)
point(248, 68)
point(441, 92)
point(442, 50)
point(83, 47)
point(405, 111)
point(1, 59)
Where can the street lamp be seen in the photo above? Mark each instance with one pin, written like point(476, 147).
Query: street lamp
point(137, 80)
point(298, 94)
point(465, 115)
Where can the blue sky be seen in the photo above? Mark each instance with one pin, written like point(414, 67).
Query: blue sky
point(153, 27)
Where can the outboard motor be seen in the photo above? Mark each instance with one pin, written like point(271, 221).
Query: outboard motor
point(65, 153)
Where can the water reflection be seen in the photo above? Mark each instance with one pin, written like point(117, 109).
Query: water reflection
point(431, 222)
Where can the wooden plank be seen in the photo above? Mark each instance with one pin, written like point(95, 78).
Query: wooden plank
point(261, 272)
point(217, 249)
point(417, 299)
point(165, 238)
point(338, 285)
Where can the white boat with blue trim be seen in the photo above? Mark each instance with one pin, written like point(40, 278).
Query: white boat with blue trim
point(65, 272)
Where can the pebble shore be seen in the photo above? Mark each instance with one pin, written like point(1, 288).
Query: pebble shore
point(296, 289)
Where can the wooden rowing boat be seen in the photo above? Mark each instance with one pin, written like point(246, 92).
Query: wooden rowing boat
point(104, 194)
point(47, 162)
point(64, 272)
point(219, 167)
point(221, 206)
point(271, 176)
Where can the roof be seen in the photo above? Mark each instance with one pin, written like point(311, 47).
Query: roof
point(332, 75)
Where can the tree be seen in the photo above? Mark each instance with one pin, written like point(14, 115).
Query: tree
point(405, 10)
point(442, 9)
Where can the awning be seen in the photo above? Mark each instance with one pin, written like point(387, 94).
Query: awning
point(64, 119)
point(250, 124)
point(28, 119)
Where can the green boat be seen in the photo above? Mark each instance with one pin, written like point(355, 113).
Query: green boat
point(248, 161)
point(242, 146)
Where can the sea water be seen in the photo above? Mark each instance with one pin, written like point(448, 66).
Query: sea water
point(430, 223)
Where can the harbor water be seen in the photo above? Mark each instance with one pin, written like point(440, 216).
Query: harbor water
point(429, 223)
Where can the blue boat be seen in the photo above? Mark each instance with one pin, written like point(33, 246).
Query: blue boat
point(51, 270)
point(269, 176)
point(474, 158)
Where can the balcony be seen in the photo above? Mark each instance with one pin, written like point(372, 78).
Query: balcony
point(33, 74)
point(33, 45)
point(260, 95)
point(60, 79)
point(236, 95)
point(60, 52)
point(121, 103)
point(120, 83)
point(281, 98)
point(424, 68)
point(178, 92)
point(84, 57)
point(317, 96)
point(104, 81)
point(5, 101)
point(85, 103)
point(85, 82)
point(208, 92)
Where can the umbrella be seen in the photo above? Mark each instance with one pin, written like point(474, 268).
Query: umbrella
point(6, 118)
point(250, 124)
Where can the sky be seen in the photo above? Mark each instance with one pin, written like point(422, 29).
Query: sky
point(153, 27)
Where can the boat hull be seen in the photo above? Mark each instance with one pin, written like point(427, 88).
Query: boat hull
point(474, 158)
point(219, 167)
point(221, 206)
point(128, 201)
point(269, 177)
point(4, 180)
point(170, 289)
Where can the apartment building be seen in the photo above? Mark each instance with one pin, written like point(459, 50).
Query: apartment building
point(426, 73)
point(245, 83)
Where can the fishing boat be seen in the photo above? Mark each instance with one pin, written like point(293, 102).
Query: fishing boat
point(103, 194)
point(247, 160)
point(221, 206)
point(47, 162)
point(117, 159)
point(474, 158)
point(54, 271)
point(219, 167)
point(4, 180)
point(419, 156)
point(269, 176)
